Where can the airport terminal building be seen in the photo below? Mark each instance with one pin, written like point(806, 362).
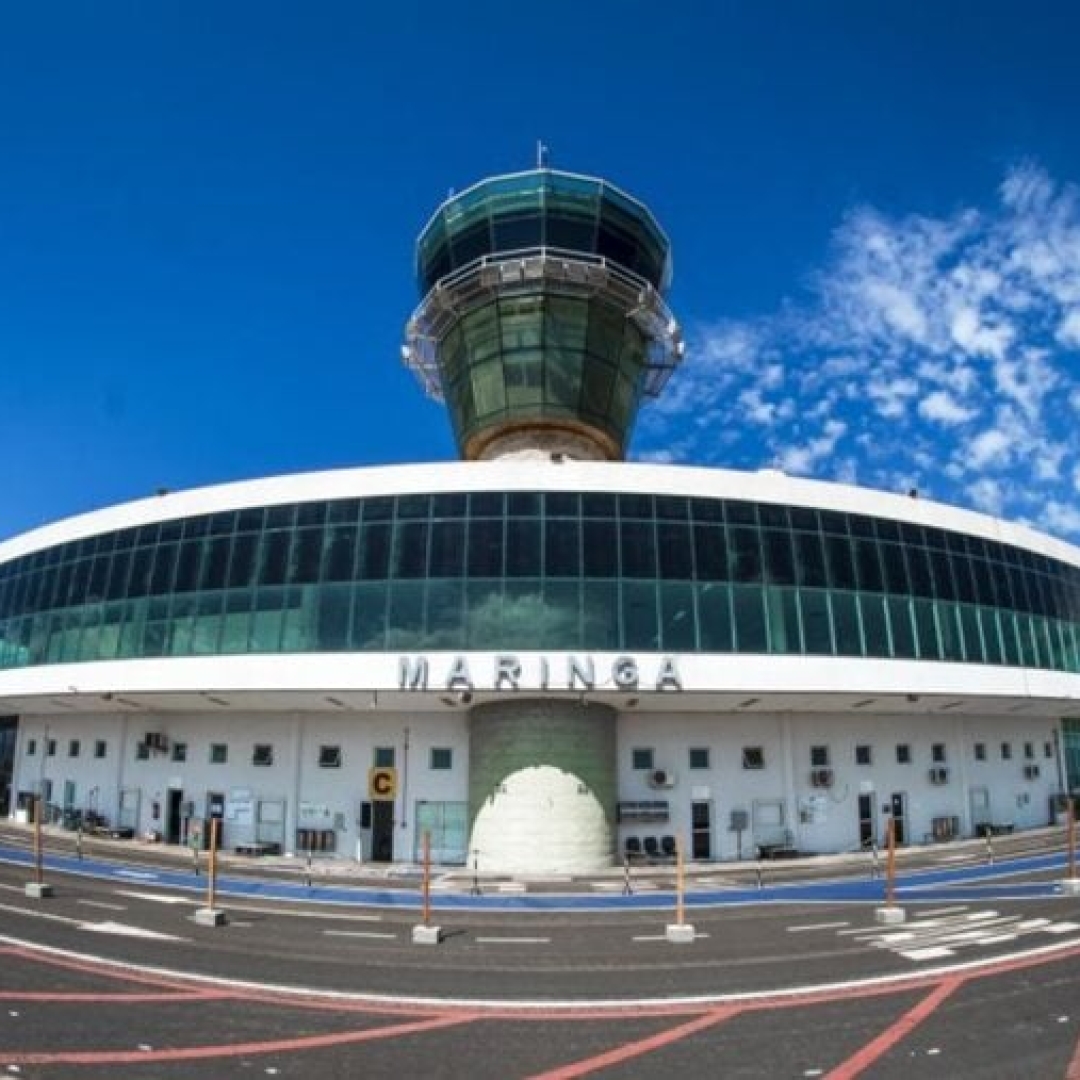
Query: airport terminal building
point(541, 656)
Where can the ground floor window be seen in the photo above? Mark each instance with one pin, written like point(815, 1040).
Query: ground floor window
point(448, 825)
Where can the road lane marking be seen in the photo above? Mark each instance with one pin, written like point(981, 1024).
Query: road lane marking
point(513, 940)
point(955, 909)
point(838, 990)
point(663, 937)
point(125, 930)
point(33, 913)
point(102, 904)
point(932, 953)
point(817, 926)
point(157, 898)
point(360, 934)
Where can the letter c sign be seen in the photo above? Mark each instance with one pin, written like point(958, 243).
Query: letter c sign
point(382, 784)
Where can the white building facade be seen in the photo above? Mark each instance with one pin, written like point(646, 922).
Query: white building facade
point(540, 662)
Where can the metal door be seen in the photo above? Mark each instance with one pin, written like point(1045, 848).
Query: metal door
point(128, 818)
point(867, 831)
point(898, 805)
point(701, 829)
point(980, 807)
point(382, 832)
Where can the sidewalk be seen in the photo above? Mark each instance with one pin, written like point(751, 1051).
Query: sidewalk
point(338, 870)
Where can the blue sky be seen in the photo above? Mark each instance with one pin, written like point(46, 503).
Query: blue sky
point(207, 217)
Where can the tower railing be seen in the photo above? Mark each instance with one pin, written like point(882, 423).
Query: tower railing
point(540, 270)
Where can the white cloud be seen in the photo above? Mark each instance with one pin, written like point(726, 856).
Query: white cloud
point(1062, 517)
point(990, 447)
point(933, 352)
point(802, 459)
point(898, 309)
point(891, 396)
point(1068, 331)
point(1026, 381)
point(756, 409)
point(987, 495)
point(943, 407)
point(980, 338)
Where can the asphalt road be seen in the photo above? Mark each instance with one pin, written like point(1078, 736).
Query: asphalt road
point(112, 978)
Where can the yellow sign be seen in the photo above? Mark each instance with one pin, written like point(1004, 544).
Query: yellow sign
point(382, 784)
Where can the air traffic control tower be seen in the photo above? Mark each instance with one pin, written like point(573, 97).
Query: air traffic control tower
point(542, 326)
point(543, 322)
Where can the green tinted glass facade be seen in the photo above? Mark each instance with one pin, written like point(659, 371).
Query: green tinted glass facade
point(544, 356)
point(532, 570)
point(542, 309)
point(1070, 746)
point(548, 209)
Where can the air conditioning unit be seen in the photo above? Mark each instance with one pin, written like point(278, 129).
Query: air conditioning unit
point(821, 777)
point(661, 778)
point(939, 774)
point(1031, 772)
point(155, 741)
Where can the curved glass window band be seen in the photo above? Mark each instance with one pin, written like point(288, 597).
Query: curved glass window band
point(532, 570)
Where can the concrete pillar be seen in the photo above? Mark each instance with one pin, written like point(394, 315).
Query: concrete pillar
point(542, 785)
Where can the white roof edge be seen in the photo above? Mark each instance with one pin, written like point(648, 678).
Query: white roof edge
point(766, 485)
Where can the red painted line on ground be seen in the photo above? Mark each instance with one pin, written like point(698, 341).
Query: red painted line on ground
point(639, 1047)
point(587, 1011)
point(899, 1029)
point(270, 1046)
point(770, 1002)
point(102, 970)
point(1073, 1071)
point(62, 997)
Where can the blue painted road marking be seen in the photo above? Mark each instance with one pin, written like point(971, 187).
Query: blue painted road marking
point(979, 883)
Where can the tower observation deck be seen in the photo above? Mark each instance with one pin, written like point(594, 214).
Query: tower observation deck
point(543, 322)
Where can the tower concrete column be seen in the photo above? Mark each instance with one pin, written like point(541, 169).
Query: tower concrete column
point(542, 785)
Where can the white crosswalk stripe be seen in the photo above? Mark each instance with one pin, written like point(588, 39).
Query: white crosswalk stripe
point(939, 937)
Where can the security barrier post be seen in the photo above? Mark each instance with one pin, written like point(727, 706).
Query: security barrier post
point(890, 913)
point(37, 888)
point(679, 932)
point(210, 915)
point(1071, 885)
point(425, 933)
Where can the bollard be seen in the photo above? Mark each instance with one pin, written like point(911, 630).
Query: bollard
point(890, 866)
point(475, 872)
point(1071, 885)
point(890, 913)
point(989, 847)
point(875, 869)
point(627, 889)
point(680, 932)
point(759, 874)
point(425, 933)
point(37, 888)
point(78, 843)
point(210, 915)
point(1072, 839)
point(307, 872)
